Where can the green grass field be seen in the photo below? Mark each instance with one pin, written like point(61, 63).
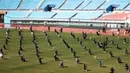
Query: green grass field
point(13, 63)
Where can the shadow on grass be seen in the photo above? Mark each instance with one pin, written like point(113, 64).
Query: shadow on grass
point(103, 66)
point(64, 67)
point(88, 70)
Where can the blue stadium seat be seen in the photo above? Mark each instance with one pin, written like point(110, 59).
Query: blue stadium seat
point(29, 4)
point(71, 4)
point(87, 15)
point(16, 14)
point(9, 4)
point(128, 8)
point(64, 14)
point(55, 2)
point(122, 3)
point(94, 4)
point(41, 14)
point(87, 2)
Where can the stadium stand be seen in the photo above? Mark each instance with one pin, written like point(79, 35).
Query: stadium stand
point(95, 4)
point(64, 14)
point(128, 8)
point(73, 3)
point(121, 3)
point(55, 2)
point(87, 15)
point(41, 14)
point(9, 4)
point(29, 4)
point(115, 16)
point(85, 4)
point(16, 14)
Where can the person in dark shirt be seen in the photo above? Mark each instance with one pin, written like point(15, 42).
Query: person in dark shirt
point(56, 58)
point(77, 39)
point(37, 54)
point(23, 59)
point(117, 47)
point(40, 60)
point(80, 42)
point(45, 33)
point(34, 37)
point(19, 53)
point(56, 31)
point(126, 67)
point(56, 52)
point(6, 41)
point(77, 60)
point(126, 51)
point(94, 41)
point(4, 47)
point(113, 34)
point(84, 35)
point(119, 60)
point(1, 51)
point(74, 54)
point(61, 30)
point(50, 43)
point(20, 48)
point(61, 64)
point(84, 67)
point(107, 39)
point(67, 46)
point(84, 47)
point(98, 33)
point(112, 70)
point(99, 45)
point(112, 42)
point(37, 50)
point(89, 52)
point(111, 54)
point(31, 28)
point(124, 40)
point(71, 50)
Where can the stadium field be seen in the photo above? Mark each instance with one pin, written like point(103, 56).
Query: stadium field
point(13, 64)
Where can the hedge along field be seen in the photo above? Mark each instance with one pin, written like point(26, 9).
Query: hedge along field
point(13, 64)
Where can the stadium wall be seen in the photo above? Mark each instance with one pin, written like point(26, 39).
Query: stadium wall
point(1, 25)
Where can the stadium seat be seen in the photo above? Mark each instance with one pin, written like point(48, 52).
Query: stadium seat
point(94, 4)
point(9, 4)
point(29, 4)
point(41, 14)
point(88, 15)
point(128, 8)
point(55, 2)
point(115, 16)
point(71, 4)
point(86, 2)
point(16, 14)
point(121, 3)
point(64, 14)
